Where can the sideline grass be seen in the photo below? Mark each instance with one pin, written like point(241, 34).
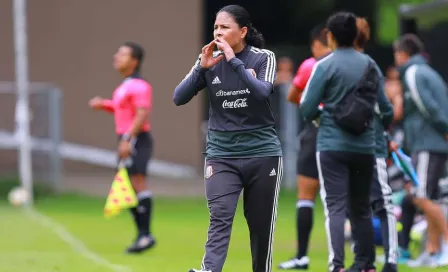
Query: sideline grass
point(179, 225)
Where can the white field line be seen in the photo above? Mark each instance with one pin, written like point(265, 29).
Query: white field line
point(77, 245)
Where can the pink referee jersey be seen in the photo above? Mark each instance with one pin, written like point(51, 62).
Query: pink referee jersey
point(131, 94)
point(304, 73)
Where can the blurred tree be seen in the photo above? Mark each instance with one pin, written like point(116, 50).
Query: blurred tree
point(387, 18)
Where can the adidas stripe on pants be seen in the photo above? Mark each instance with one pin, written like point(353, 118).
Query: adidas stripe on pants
point(381, 199)
point(224, 180)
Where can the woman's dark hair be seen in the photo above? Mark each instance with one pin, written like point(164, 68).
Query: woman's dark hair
point(137, 53)
point(242, 18)
point(363, 35)
point(343, 27)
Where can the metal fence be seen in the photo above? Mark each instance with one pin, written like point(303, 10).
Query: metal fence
point(45, 128)
point(287, 117)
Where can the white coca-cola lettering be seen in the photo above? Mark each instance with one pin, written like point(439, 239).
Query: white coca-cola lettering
point(238, 103)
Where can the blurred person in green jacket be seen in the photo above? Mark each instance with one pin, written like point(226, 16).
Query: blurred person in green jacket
point(426, 132)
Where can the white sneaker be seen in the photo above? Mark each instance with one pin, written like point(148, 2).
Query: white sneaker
point(194, 270)
point(424, 260)
point(443, 257)
point(297, 264)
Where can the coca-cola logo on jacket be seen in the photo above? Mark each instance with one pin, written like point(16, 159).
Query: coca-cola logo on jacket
point(235, 104)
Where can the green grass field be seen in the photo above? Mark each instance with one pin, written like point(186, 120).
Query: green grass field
point(179, 225)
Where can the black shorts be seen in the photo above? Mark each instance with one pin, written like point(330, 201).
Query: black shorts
point(306, 158)
point(430, 168)
point(137, 163)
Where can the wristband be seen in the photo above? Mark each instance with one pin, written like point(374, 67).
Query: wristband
point(126, 137)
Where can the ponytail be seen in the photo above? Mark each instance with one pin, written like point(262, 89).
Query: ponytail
point(254, 37)
point(363, 35)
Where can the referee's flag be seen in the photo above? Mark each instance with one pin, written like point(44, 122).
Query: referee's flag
point(403, 162)
point(121, 195)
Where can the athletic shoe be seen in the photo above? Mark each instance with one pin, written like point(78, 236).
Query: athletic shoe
point(296, 264)
point(194, 270)
point(141, 244)
point(359, 270)
point(424, 260)
point(390, 268)
point(356, 268)
point(404, 256)
point(443, 257)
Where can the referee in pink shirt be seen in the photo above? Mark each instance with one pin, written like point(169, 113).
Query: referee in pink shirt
point(307, 174)
point(131, 105)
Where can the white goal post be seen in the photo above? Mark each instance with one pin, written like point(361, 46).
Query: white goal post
point(22, 102)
